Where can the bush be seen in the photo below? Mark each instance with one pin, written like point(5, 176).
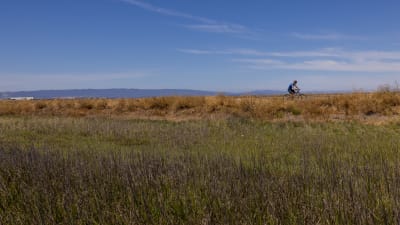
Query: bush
point(86, 104)
point(40, 105)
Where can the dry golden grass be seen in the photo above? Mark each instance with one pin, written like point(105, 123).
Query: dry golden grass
point(376, 107)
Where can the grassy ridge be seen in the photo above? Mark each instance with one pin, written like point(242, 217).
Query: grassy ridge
point(315, 107)
point(234, 171)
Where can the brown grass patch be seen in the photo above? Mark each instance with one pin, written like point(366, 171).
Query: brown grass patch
point(381, 104)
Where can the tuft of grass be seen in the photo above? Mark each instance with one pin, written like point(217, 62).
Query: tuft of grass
point(184, 103)
point(85, 105)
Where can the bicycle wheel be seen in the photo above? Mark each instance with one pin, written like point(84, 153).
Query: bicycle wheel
point(301, 96)
point(287, 96)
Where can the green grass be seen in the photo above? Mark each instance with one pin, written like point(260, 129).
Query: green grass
point(233, 171)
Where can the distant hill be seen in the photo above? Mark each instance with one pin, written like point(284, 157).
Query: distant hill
point(264, 92)
point(121, 93)
point(105, 93)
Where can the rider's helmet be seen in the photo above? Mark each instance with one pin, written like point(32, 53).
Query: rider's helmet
point(295, 81)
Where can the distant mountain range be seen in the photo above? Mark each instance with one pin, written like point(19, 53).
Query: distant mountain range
point(123, 93)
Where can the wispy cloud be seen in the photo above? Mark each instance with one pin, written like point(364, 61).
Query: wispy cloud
point(327, 36)
point(248, 52)
point(167, 12)
point(327, 59)
point(331, 65)
point(203, 52)
point(202, 24)
point(345, 82)
point(326, 52)
point(238, 51)
point(362, 61)
point(218, 28)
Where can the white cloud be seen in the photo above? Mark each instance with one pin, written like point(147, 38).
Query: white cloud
point(203, 52)
point(331, 65)
point(372, 55)
point(328, 52)
point(323, 65)
point(327, 36)
point(167, 12)
point(327, 59)
point(320, 82)
point(206, 24)
point(261, 63)
point(218, 28)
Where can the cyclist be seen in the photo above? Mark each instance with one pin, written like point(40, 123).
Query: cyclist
point(293, 89)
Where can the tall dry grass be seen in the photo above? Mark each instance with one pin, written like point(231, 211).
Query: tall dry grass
point(385, 102)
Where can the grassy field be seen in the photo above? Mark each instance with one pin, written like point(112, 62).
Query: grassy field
point(373, 107)
point(61, 167)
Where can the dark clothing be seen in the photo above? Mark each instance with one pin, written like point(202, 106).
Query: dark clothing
point(292, 88)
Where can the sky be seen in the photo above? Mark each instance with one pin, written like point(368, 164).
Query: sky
point(218, 45)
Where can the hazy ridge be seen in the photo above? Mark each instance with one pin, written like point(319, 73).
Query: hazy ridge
point(124, 93)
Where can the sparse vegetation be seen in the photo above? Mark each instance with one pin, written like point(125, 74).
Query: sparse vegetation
point(248, 160)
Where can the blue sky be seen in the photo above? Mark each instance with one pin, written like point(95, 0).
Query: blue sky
point(215, 45)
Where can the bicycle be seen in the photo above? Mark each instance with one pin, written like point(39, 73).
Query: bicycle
point(295, 95)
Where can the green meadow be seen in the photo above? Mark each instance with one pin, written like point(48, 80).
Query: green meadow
point(65, 170)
